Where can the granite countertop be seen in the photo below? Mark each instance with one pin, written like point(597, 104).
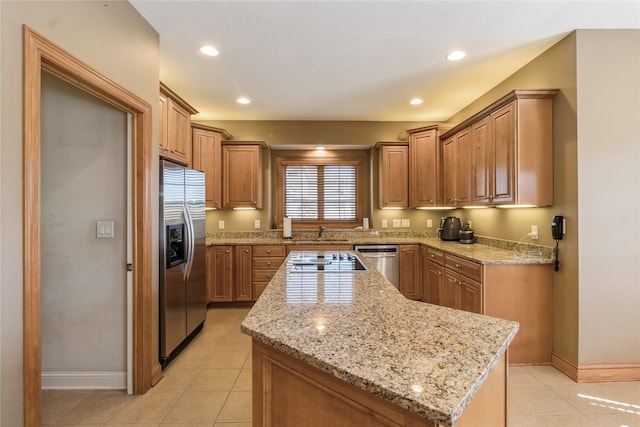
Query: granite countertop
point(428, 359)
point(481, 253)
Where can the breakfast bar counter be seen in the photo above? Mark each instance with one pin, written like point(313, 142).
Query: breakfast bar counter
point(345, 348)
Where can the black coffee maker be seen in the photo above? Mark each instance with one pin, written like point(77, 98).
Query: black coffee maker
point(449, 228)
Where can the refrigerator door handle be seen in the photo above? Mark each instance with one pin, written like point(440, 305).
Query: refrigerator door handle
point(190, 241)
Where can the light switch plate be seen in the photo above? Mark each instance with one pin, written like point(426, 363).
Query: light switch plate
point(105, 230)
point(383, 223)
point(257, 224)
point(221, 225)
point(429, 223)
point(397, 223)
point(406, 223)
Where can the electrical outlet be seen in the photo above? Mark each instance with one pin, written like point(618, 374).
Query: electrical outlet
point(406, 223)
point(257, 224)
point(534, 232)
point(429, 223)
point(397, 223)
point(221, 225)
point(383, 223)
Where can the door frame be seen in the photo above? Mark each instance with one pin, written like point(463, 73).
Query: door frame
point(42, 54)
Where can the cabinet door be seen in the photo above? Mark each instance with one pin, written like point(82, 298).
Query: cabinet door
point(207, 157)
point(463, 167)
point(242, 176)
point(219, 273)
point(163, 112)
point(410, 271)
point(394, 176)
point(179, 132)
point(424, 169)
point(470, 295)
point(242, 274)
point(451, 290)
point(449, 166)
point(504, 151)
point(481, 161)
point(435, 283)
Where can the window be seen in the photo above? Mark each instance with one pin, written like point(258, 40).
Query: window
point(323, 191)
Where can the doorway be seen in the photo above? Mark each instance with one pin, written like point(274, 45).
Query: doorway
point(41, 54)
point(84, 239)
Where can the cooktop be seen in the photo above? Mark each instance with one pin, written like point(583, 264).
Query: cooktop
point(314, 262)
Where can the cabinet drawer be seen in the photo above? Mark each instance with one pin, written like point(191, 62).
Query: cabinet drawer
point(263, 275)
point(274, 251)
point(267, 263)
point(435, 256)
point(462, 266)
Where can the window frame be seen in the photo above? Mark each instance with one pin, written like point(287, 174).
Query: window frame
point(350, 160)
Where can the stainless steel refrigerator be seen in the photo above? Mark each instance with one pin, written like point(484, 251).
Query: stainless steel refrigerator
point(183, 291)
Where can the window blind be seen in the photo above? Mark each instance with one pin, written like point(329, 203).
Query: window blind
point(321, 192)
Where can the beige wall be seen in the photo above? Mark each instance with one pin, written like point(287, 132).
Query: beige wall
point(555, 68)
point(608, 65)
point(597, 179)
point(114, 39)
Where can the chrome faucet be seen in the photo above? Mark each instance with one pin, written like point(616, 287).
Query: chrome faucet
point(320, 230)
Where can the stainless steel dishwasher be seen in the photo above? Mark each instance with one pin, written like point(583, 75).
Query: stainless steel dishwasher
point(385, 259)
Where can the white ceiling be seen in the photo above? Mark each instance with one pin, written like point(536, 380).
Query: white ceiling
point(357, 60)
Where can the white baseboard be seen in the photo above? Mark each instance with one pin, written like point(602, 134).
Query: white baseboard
point(84, 380)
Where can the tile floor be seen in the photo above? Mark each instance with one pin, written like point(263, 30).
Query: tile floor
point(209, 384)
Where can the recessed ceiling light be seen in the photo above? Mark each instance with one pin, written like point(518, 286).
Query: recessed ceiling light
point(209, 51)
point(416, 101)
point(456, 55)
point(320, 148)
point(243, 100)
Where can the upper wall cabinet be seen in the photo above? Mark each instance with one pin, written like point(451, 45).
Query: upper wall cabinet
point(425, 167)
point(242, 174)
point(175, 126)
point(456, 168)
point(511, 150)
point(393, 172)
point(207, 157)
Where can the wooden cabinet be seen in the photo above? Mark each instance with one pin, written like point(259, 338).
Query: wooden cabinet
point(219, 273)
point(393, 173)
point(462, 287)
point(242, 174)
point(432, 263)
point(207, 157)
point(456, 165)
point(512, 150)
point(242, 274)
point(266, 261)
point(410, 284)
point(175, 126)
point(425, 167)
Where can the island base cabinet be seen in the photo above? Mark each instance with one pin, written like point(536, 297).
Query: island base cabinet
point(290, 393)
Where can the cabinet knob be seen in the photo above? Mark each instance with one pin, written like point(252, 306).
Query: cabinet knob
point(268, 263)
point(433, 256)
point(227, 251)
point(458, 266)
point(268, 251)
point(246, 251)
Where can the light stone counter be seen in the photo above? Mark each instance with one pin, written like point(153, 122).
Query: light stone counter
point(357, 327)
point(481, 253)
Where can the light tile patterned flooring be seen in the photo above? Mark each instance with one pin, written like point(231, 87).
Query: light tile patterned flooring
point(209, 384)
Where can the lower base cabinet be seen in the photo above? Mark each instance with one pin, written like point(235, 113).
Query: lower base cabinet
point(266, 261)
point(242, 278)
point(518, 292)
point(219, 274)
point(410, 271)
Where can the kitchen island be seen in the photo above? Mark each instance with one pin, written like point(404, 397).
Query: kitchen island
point(345, 348)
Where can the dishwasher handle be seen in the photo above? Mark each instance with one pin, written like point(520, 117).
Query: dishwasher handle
point(380, 256)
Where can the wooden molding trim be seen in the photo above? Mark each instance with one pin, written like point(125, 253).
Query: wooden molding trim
point(222, 132)
point(41, 54)
point(596, 373)
point(156, 374)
